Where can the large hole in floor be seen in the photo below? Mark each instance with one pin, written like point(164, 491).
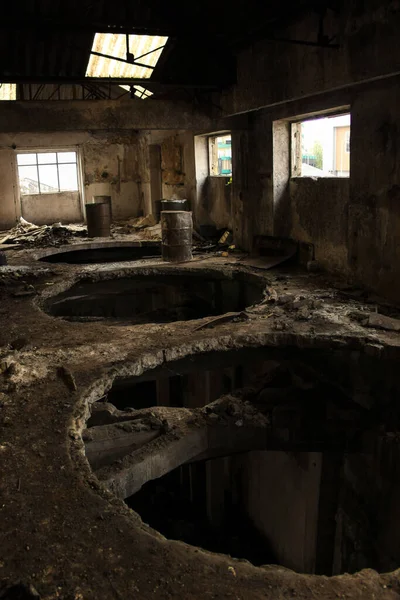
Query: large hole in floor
point(106, 254)
point(318, 492)
point(181, 507)
point(160, 298)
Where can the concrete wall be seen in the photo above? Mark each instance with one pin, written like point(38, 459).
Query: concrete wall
point(219, 192)
point(10, 208)
point(353, 224)
point(374, 217)
point(128, 114)
point(113, 164)
point(319, 215)
point(44, 209)
point(282, 496)
point(271, 73)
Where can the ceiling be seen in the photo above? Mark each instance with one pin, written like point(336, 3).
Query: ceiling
point(49, 41)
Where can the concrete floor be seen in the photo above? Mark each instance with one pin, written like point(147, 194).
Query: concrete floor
point(63, 532)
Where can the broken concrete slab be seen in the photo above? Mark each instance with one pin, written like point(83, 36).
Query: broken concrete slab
point(379, 321)
point(223, 427)
point(106, 443)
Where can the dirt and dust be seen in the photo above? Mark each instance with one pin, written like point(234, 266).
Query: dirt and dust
point(63, 535)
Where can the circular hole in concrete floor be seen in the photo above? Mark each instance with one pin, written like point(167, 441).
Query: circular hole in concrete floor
point(172, 295)
point(103, 254)
point(287, 456)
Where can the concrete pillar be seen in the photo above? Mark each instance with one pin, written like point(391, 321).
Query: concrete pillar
point(281, 178)
point(155, 175)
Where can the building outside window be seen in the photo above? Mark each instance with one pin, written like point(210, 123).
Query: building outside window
point(220, 149)
point(47, 172)
point(321, 147)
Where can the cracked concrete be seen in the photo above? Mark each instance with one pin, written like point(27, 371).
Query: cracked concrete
point(62, 531)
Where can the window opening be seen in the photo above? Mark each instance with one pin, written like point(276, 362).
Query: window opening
point(126, 56)
point(220, 149)
point(47, 172)
point(321, 147)
point(8, 91)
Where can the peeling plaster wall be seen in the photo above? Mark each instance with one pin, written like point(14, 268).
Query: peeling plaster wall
point(185, 174)
point(112, 164)
point(178, 168)
point(120, 164)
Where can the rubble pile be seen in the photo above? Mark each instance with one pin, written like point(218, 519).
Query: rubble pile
point(28, 234)
point(146, 225)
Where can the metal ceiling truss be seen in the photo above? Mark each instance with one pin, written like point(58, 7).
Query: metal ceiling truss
point(88, 92)
point(152, 85)
point(130, 59)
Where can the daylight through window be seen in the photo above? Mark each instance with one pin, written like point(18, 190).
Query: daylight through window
point(220, 149)
point(8, 91)
point(47, 172)
point(321, 147)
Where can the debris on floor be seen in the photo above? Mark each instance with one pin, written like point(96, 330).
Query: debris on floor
point(146, 226)
point(26, 233)
point(225, 318)
point(142, 222)
point(226, 238)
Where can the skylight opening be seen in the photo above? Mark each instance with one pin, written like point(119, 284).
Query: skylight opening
point(8, 91)
point(109, 55)
point(140, 91)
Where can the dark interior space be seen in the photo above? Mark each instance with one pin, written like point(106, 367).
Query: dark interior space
point(103, 255)
point(160, 299)
point(139, 395)
point(176, 506)
point(200, 300)
point(281, 505)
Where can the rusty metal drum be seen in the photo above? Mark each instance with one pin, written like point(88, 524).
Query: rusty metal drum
point(98, 219)
point(176, 233)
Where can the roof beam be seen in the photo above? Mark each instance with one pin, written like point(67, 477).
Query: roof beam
point(76, 115)
point(75, 26)
point(151, 84)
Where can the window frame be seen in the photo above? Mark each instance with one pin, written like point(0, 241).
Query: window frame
point(55, 151)
point(347, 142)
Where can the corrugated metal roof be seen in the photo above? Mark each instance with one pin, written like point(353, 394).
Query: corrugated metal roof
point(8, 91)
point(146, 49)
